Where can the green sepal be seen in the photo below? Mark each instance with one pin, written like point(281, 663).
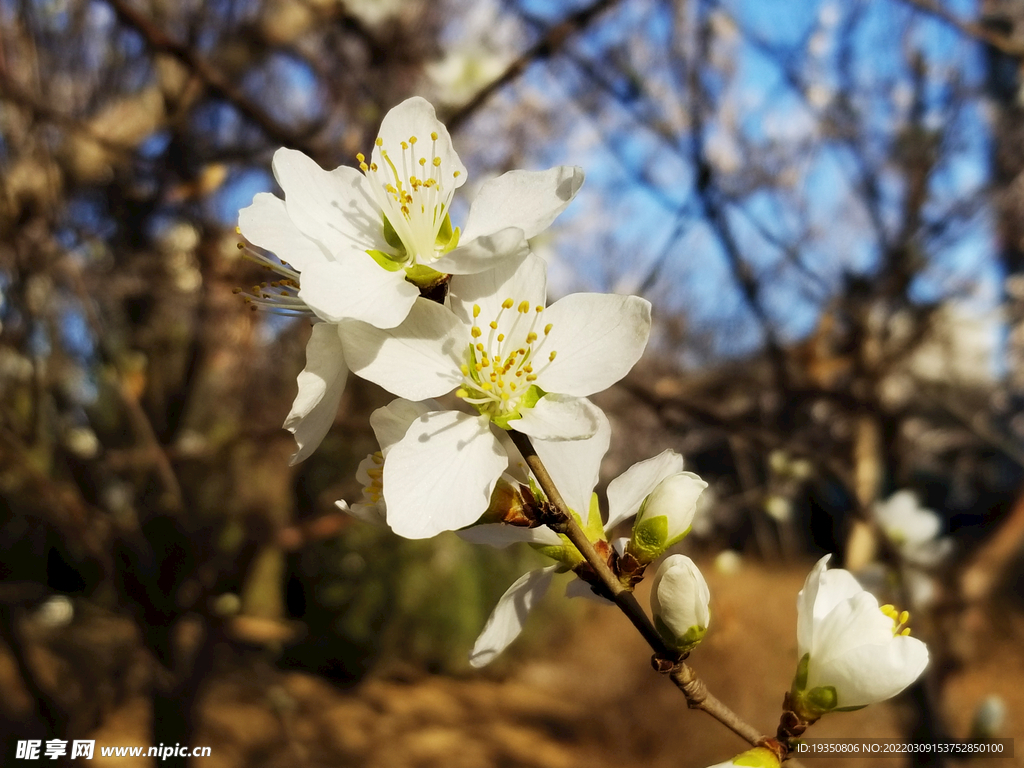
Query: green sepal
point(677, 539)
point(447, 236)
point(800, 679)
point(821, 699)
point(849, 709)
point(528, 400)
point(386, 260)
point(683, 644)
point(594, 526)
point(565, 553)
point(422, 276)
point(391, 237)
point(650, 538)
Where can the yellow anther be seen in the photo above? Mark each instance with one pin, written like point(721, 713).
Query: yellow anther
point(524, 307)
point(433, 135)
point(423, 161)
point(486, 386)
point(465, 369)
point(531, 337)
point(360, 157)
point(538, 308)
point(507, 304)
point(456, 174)
point(551, 357)
point(373, 167)
point(532, 377)
point(477, 333)
point(904, 617)
point(512, 386)
point(437, 164)
point(493, 325)
point(888, 609)
point(501, 337)
point(547, 328)
point(476, 310)
point(412, 139)
point(494, 377)
point(528, 369)
point(460, 392)
point(241, 246)
point(504, 396)
point(478, 367)
point(379, 142)
point(479, 347)
point(364, 167)
point(906, 632)
point(404, 145)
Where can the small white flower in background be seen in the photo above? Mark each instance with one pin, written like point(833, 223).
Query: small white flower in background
point(729, 562)
point(779, 508)
point(574, 467)
point(55, 612)
point(665, 516)
point(758, 757)
point(361, 243)
point(853, 652)
point(989, 718)
point(517, 364)
point(679, 603)
point(912, 529)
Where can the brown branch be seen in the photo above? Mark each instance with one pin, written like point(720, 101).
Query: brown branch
point(697, 695)
point(970, 28)
point(544, 48)
point(158, 40)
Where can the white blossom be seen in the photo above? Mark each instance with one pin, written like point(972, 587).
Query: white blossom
point(515, 363)
point(852, 651)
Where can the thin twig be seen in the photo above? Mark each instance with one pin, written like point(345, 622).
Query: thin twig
point(697, 695)
point(158, 40)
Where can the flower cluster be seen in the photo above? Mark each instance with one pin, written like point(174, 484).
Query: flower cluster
point(455, 323)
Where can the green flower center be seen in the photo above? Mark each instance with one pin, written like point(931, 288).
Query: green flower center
point(499, 371)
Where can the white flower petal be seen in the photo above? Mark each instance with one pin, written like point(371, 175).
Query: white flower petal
point(529, 200)
point(391, 422)
point(374, 514)
point(321, 385)
point(439, 477)
point(558, 417)
point(574, 465)
point(266, 223)
point(805, 606)
point(522, 279)
point(416, 117)
point(853, 622)
point(628, 490)
point(509, 615)
point(598, 338)
point(358, 288)
point(483, 253)
point(418, 359)
point(501, 536)
point(334, 207)
point(872, 673)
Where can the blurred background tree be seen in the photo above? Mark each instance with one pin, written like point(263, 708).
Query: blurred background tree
point(822, 200)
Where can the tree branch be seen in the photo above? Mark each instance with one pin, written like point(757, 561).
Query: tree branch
point(158, 40)
point(696, 692)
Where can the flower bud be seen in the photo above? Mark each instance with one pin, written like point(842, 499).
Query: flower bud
point(758, 757)
point(665, 516)
point(679, 603)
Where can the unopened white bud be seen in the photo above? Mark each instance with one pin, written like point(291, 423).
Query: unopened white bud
point(679, 603)
point(665, 516)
